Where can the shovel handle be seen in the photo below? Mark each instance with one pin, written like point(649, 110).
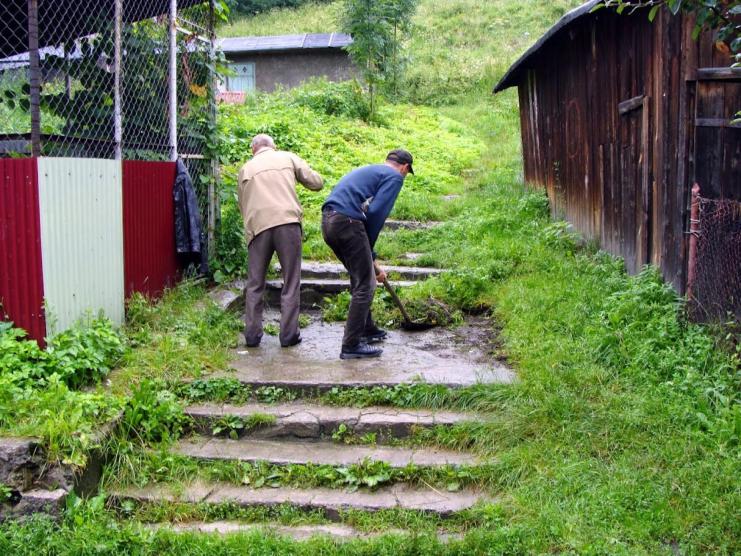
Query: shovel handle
point(396, 299)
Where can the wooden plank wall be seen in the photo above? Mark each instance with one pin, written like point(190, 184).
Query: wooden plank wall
point(608, 115)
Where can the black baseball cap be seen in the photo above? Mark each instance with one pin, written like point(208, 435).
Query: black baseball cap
point(400, 156)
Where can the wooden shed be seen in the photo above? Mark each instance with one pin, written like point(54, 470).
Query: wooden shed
point(620, 116)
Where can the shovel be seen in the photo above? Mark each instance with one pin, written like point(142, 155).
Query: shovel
point(407, 323)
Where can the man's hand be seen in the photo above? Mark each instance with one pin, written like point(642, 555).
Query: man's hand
point(380, 274)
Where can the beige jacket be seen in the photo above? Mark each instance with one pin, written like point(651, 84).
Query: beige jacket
point(267, 190)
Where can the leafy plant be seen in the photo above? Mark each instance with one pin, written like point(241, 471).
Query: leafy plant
point(153, 414)
point(342, 433)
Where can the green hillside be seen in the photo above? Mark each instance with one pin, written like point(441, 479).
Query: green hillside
point(455, 46)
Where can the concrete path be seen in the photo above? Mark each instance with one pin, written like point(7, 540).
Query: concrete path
point(318, 453)
point(306, 421)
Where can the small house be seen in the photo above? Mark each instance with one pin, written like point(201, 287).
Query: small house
point(266, 63)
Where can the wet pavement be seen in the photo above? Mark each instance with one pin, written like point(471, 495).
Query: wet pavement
point(453, 358)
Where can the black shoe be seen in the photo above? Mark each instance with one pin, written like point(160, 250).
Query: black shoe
point(252, 344)
point(294, 342)
point(374, 336)
point(361, 351)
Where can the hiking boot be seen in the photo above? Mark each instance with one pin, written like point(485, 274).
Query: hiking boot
point(361, 351)
point(373, 336)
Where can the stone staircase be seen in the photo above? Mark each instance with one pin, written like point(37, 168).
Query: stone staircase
point(318, 280)
point(304, 433)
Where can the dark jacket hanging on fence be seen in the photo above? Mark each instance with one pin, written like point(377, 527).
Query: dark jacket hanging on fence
point(190, 239)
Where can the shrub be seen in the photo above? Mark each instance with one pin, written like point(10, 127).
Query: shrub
point(79, 356)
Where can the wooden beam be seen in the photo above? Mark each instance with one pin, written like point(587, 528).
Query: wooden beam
point(719, 74)
point(631, 104)
point(716, 122)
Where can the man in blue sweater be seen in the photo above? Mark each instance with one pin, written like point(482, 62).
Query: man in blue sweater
point(352, 218)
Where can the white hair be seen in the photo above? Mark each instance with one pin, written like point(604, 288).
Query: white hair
point(262, 140)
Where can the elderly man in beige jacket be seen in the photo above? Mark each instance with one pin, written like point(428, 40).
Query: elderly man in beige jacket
point(272, 222)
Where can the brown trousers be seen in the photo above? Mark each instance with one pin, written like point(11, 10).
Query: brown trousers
point(284, 240)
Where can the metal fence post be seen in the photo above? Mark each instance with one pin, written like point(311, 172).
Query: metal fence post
point(173, 80)
point(34, 74)
point(117, 127)
point(213, 197)
point(694, 230)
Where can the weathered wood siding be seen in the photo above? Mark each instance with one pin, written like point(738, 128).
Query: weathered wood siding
point(619, 118)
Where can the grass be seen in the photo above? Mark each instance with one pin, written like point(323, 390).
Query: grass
point(622, 435)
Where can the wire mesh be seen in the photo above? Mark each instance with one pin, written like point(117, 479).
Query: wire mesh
point(77, 75)
point(716, 291)
point(81, 81)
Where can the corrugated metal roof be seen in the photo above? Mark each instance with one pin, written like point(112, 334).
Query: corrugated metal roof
point(511, 78)
point(284, 42)
point(21, 277)
point(80, 203)
point(150, 263)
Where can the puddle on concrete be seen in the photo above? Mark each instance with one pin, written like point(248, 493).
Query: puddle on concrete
point(438, 356)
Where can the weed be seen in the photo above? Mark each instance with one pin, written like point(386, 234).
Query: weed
point(271, 329)
point(153, 414)
point(234, 425)
point(218, 390)
point(274, 394)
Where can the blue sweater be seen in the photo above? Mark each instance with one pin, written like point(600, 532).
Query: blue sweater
point(367, 194)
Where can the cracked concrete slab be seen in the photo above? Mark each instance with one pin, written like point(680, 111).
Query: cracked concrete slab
point(321, 453)
point(330, 501)
point(450, 357)
point(304, 420)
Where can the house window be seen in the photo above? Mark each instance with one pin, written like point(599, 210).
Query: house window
point(243, 78)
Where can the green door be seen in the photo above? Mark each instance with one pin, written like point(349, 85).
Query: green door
point(243, 78)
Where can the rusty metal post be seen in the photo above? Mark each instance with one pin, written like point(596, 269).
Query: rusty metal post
point(694, 230)
point(34, 75)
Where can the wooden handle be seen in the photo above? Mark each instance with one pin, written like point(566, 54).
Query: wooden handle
point(396, 299)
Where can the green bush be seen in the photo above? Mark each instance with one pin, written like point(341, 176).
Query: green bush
point(82, 355)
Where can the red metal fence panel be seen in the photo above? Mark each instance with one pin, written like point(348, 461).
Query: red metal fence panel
point(21, 273)
point(150, 263)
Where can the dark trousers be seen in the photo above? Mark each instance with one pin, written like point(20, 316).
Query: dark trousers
point(286, 241)
point(349, 241)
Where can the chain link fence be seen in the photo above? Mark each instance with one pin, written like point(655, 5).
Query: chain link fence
point(94, 79)
point(715, 280)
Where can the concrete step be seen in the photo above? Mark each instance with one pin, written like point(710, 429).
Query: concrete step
point(36, 501)
point(329, 501)
point(307, 421)
point(324, 270)
point(409, 225)
point(314, 290)
point(453, 358)
point(319, 453)
point(335, 531)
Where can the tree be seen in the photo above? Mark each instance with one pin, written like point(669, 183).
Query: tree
point(377, 28)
